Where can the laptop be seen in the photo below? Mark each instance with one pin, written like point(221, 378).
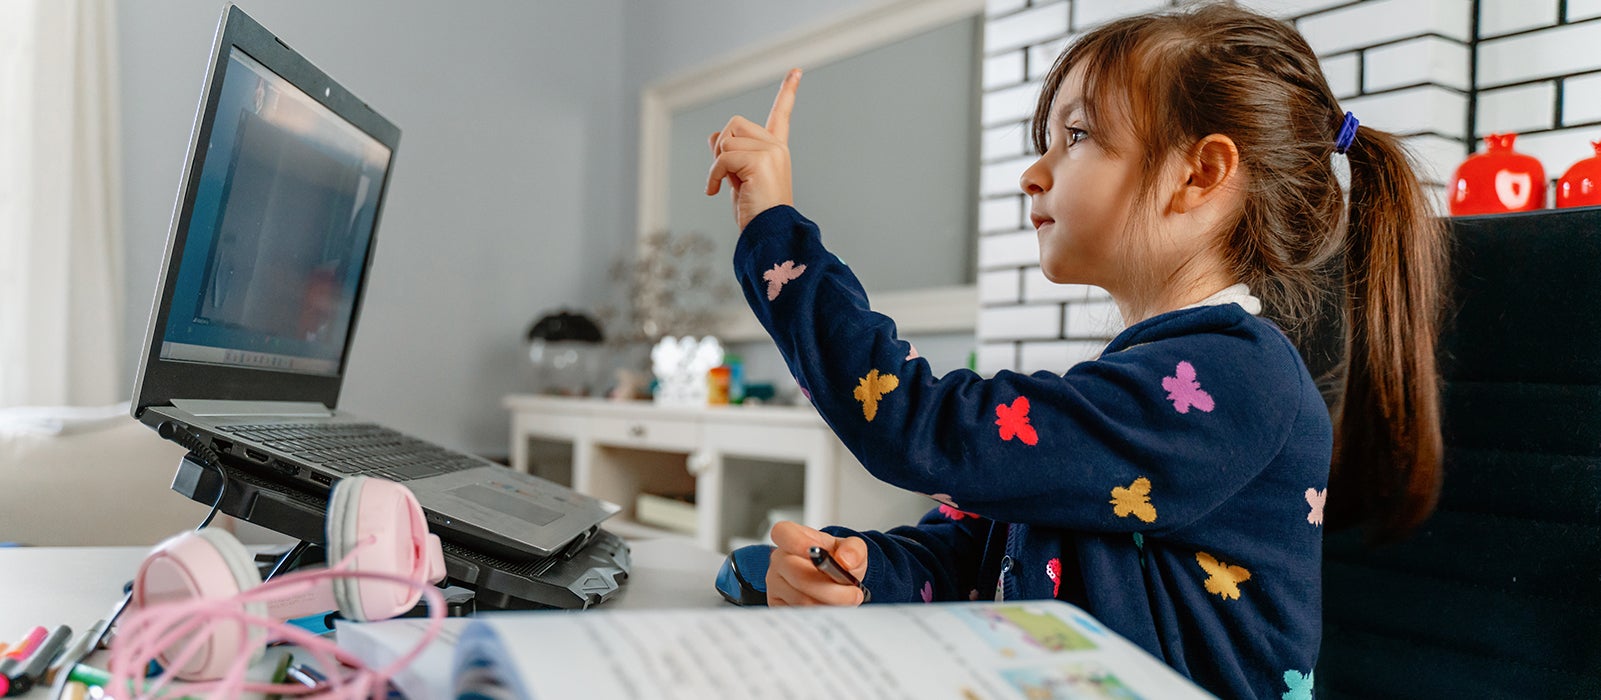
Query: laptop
point(267, 260)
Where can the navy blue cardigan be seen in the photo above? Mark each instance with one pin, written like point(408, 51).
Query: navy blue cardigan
point(1173, 487)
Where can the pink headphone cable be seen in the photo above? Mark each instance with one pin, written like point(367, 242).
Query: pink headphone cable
point(150, 631)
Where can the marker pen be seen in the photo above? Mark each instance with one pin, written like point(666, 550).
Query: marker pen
point(825, 563)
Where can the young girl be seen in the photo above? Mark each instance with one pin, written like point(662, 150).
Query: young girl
point(1175, 486)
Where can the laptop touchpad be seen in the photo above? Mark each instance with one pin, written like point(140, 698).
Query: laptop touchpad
point(510, 505)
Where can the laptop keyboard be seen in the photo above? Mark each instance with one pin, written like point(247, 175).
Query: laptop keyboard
point(354, 449)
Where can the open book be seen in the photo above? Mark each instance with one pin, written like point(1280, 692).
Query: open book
point(1028, 649)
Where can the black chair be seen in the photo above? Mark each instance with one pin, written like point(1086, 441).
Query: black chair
point(1499, 593)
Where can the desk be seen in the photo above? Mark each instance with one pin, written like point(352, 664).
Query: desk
point(623, 448)
point(78, 585)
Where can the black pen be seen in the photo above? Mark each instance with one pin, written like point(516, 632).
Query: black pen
point(825, 563)
point(36, 664)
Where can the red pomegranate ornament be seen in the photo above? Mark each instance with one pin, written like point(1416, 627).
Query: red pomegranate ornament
point(1580, 186)
point(1498, 180)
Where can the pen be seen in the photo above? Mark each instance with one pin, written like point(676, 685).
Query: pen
point(80, 648)
point(825, 563)
point(23, 679)
point(305, 675)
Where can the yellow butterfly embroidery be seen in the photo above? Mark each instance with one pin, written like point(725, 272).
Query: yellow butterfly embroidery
point(873, 387)
point(1134, 500)
point(1223, 579)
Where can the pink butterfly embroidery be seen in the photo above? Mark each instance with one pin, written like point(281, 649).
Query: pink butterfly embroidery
point(1053, 571)
point(953, 513)
point(1315, 498)
point(1013, 421)
point(1184, 391)
point(928, 591)
point(780, 275)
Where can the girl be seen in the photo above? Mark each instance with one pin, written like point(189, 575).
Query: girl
point(1175, 486)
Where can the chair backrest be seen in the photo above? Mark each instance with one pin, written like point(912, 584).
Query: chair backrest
point(1499, 593)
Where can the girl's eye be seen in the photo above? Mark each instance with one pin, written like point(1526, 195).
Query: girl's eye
point(1076, 135)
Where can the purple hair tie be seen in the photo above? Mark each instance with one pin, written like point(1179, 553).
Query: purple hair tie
point(1342, 143)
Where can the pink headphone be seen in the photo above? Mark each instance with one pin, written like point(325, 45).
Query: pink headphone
point(200, 607)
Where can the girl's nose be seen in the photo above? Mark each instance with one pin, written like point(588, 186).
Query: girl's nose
point(1037, 179)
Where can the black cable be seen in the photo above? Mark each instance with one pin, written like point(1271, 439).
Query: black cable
point(207, 457)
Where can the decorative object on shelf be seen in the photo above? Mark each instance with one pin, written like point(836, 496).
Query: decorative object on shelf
point(671, 287)
point(1580, 186)
point(717, 383)
point(681, 365)
point(565, 351)
point(1498, 180)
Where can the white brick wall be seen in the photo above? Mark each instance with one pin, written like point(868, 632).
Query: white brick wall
point(1539, 73)
point(1404, 66)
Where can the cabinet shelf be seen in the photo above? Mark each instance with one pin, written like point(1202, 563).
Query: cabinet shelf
point(739, 461)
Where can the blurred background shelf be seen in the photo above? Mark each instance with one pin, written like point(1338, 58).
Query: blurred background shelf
point(741, 462)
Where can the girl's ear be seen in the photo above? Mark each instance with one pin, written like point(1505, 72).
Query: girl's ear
point(1208, 170)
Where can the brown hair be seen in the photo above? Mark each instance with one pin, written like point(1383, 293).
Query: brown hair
point(1221, 69)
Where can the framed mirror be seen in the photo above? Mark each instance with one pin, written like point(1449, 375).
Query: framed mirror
point(884, 146)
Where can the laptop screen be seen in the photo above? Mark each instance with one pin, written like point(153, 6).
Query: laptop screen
point(284, 209)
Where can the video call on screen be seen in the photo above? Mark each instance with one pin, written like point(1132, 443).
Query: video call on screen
point(284, 209)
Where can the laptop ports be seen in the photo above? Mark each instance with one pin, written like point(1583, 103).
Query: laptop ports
point(323, 479)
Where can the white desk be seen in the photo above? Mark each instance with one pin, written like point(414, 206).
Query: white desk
point(623, 448)
point(49, 586)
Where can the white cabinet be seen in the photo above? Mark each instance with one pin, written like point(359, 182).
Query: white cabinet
point(739, 461)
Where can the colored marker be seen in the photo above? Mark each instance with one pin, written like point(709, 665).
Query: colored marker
point(89, 675)
point(23, 679)
point(12, 662)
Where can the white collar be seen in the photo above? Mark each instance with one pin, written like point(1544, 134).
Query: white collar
point(1236, 294)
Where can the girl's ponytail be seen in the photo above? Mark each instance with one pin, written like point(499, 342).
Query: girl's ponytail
point(1387, 446)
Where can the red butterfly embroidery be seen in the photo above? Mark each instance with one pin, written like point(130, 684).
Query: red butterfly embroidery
point(1053, 571)
point(1013, 421)
point(953, 513)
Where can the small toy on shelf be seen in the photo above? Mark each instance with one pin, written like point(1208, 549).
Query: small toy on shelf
point(1580, 186)
point(1498, 180)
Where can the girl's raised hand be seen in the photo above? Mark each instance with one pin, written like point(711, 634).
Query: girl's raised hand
point(755, 159)
point(792, 579)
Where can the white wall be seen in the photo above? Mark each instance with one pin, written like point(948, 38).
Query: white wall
point(666, 38)
point(510, 182)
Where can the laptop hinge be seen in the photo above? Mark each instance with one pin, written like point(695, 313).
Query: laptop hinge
point(215, 408)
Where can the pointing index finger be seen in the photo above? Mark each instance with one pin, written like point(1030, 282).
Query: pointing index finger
point(778, 118)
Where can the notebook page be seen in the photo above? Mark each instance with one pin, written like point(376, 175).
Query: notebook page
point(962, 650)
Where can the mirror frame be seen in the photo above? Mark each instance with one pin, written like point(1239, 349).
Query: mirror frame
point(949, 309)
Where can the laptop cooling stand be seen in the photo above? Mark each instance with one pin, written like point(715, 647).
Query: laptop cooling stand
point(588, 573)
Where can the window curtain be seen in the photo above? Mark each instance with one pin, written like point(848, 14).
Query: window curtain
point(60, 204)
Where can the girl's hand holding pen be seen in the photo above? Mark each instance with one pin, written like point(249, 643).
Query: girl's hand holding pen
point(755, 159)
point(792, 578)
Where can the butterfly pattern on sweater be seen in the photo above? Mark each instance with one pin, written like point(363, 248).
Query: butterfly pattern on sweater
point(781, 274)
point(953, 513)
point(1013, 422)
point(1185, 392)
point(1299, 684)
point(1316, 499)
point(1134, 500)
point(1222, 578)
point(871, 388)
